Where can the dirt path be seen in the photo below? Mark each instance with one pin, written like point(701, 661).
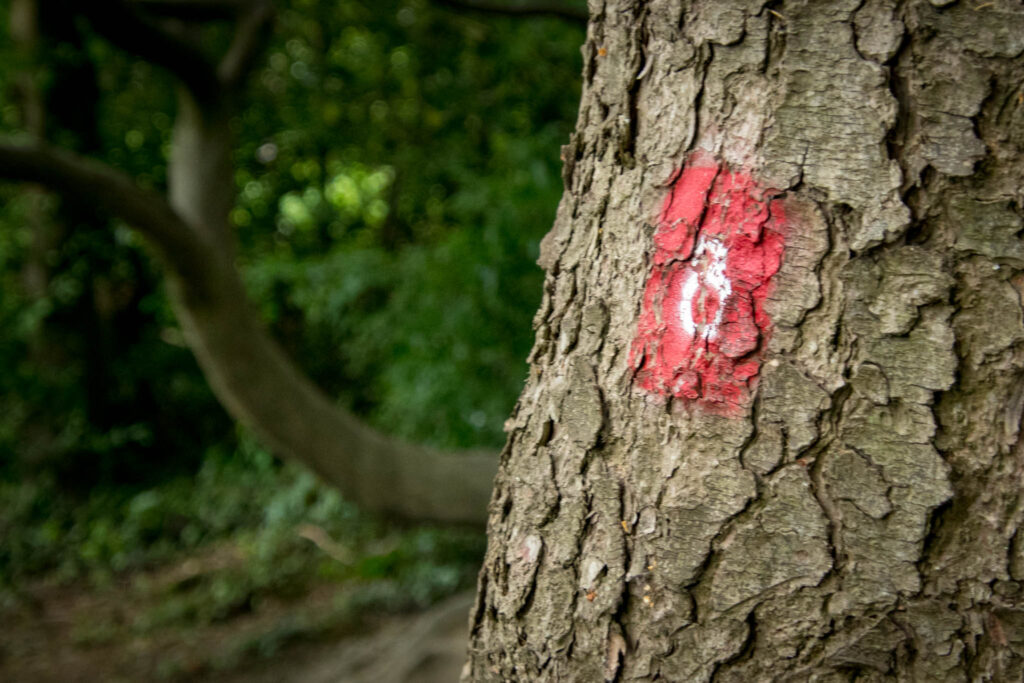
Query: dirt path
point(43, 643)
point(423, 648)
point(40, 645)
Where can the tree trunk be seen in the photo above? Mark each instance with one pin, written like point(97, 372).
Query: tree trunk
point(772, 428)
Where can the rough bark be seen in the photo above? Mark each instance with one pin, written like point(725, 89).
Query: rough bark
point(191, 233)
point(857, 518)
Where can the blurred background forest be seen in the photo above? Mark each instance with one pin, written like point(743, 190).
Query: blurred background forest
point(396, 166)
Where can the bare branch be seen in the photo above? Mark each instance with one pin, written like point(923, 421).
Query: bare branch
point(250, 35)
point(549, 8)
point(114, 192)
point(121, 23)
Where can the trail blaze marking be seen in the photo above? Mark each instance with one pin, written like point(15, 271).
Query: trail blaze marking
point(703, 327)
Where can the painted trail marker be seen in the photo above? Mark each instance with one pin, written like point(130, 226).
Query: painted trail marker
point(703, 326)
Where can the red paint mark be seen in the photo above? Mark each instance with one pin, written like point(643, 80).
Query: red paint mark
point(703, 327)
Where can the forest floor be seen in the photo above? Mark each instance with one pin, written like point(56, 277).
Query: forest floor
point(78, 632)
point(245, 571)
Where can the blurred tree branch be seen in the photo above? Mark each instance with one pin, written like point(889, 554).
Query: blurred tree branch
point(251, 375)
point(250, 34)
point(97, 184)
point(192, 233)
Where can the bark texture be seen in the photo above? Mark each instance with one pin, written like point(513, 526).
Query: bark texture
point(859, 518)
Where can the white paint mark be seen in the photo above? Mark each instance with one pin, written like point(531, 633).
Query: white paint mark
point(530, 549)
point(648, 521)
point(591, 569)
point(689, 289)
point(707, 269)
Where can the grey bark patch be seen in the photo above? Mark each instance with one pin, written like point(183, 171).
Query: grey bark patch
point(697, 500)
point(935, 628)
point(582, 411)
point(870, 382)
point(780, 547)
point(950, 96)
point(860, 482)
point(879, 556)
point(765, 452)
point(566, 528)
point(800, 615)
point(568, 332)
point(860, 278)
point(870, 649)
point(592, 568)
point(878, 31)
point(613, 659)
point(701, 647)
point(987, 228)
point(992, 323)
point(831, 127)
point(879, 223)
point(522, 558)
point(923, 361)
point(990, 29)
point(546, 623)
point(912, 277)
point(949, 143)
point(718, 22)
point(593, 327)
point(553, 243)
point(897, 439)
point(793, 402)
point(796, 288)
point(665, 126)
point(881, 552)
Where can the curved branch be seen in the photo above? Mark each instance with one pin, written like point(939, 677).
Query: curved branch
point(250, 34)
point(94, 183)
point(251, 375)
point(249, 372)
point(261, 386)
point(548, 8)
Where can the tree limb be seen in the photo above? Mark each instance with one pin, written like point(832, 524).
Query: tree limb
point(252, 376)
point(549, 8)
point(250, 33)
point(99, 185)
point(122, 24)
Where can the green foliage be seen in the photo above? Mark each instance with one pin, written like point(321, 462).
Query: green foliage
point(253, 516)
point(414, 169)
point(246, 536)
point(396, 167)
point(93, 394)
